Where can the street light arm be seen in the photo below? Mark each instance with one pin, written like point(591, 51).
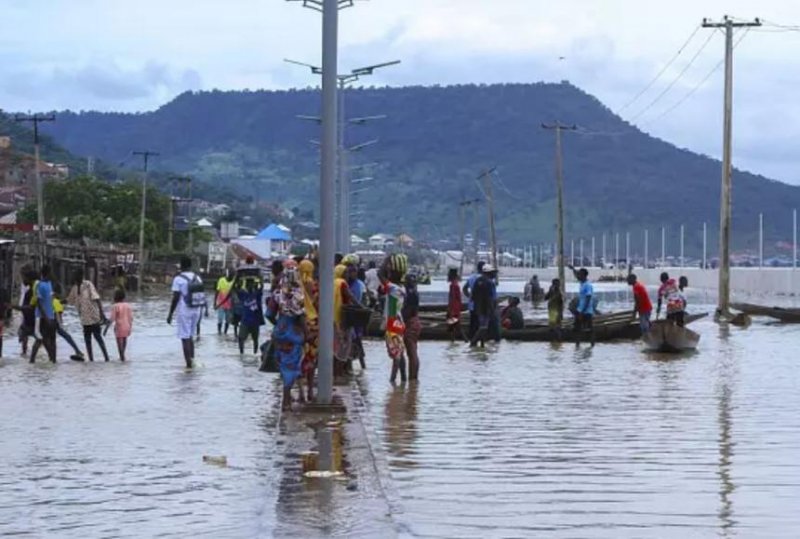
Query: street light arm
point(364, 119)
point(367, 70)
point(363, 145)
point(309, 118)
point(316, 70)
point(316, 5)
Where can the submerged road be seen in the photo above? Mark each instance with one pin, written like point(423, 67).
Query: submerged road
point(524, 439)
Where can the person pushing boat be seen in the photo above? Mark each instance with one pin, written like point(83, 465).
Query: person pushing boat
point(642, 306)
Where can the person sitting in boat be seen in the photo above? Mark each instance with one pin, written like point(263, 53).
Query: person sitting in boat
point(670, 294)
point(511, 316)
point(641, 303)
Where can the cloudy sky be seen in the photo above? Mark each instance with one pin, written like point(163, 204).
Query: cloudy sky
point(135, 55)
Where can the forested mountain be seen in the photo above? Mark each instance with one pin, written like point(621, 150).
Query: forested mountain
point(433, 144)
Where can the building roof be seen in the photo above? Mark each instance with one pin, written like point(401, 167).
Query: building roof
point(275, 233)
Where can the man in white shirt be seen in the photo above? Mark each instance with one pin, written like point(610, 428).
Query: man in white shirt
point(373, 283)
point(188, 299)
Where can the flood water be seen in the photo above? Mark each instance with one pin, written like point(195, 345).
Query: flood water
point(115, 450)
point(541, 440)
point(519, 440)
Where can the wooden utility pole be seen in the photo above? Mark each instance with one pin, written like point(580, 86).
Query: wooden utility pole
point(725, 195)
point(36, 119)
point(557, 127)
point(146, 158)
point(461, 226)
point(486, 176)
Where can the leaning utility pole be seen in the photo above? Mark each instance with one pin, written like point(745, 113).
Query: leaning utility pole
point(557, 127)
point(36, 119)
point(727, 129)
point(486, 176)
point(146, 154)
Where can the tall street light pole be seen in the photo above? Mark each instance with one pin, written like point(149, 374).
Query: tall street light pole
point(342, 217)
point(327, 247)
point(146, 155)
point(36, 119)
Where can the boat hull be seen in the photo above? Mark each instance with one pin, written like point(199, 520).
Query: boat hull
point(791, 316)
point(607, 327)
point(668, 338)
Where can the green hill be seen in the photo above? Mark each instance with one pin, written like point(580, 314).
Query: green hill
point(433, 144)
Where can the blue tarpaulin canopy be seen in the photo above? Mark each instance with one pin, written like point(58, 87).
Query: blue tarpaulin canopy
point(274, 233)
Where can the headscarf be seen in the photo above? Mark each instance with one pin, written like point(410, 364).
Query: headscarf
point(306, 269)
point(338, 281)
point(351, 259)
point(291, 299)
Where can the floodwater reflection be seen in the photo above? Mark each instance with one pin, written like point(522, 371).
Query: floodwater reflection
point(539, 439)
point(400, 428)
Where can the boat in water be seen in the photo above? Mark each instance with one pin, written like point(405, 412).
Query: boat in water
point(779, 313)
point(607, 327)
point(667, 337)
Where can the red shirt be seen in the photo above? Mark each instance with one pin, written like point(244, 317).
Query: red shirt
point(454, 300)
point(642, 299)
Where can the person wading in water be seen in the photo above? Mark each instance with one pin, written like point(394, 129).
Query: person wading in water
point(641, 303)
point(85, 298)
point(584, 317)
point(188, 298)
point(483, 299)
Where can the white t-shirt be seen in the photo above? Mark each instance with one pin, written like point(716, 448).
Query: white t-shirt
point(372, 281)
point(180, 284)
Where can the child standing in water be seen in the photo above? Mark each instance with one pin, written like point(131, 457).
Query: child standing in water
point(122, 316)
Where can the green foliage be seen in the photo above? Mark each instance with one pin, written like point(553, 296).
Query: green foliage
point(88, 207)
point(433, 144)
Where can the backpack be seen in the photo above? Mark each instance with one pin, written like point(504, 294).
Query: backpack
point(196, 294)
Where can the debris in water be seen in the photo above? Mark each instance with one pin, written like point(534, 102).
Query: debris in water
point(221, 460)
point(323, 474)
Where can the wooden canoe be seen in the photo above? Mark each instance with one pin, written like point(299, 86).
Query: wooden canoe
point(607, 327)
point(667, 337)
point(779, 313)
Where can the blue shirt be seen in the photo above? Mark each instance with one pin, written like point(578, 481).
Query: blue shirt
point(585, 298)
point(358, 289)
point(470, 284)
point(250, 302)
point(44, 294)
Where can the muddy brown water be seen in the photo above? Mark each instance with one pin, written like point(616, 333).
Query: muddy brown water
point(519, 440)
point(543, 440)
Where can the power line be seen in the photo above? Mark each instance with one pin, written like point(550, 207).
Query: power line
point(663, 70)
point(691, 92)
point(675, 80)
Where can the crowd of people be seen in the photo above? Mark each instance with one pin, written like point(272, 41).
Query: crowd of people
point(290, 303)
point(42, 304)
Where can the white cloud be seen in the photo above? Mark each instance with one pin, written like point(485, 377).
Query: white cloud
point(135, 55)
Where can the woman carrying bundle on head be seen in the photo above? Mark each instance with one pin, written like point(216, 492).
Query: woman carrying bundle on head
point(392, 273)
point(289, 335)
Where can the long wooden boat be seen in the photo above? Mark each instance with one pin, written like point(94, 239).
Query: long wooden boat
point(668, 338)
point(779, 313)
point(607, 327)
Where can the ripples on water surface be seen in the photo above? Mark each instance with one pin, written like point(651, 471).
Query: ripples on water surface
point(522, 440)
point(544, 440)
point(115, 450)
